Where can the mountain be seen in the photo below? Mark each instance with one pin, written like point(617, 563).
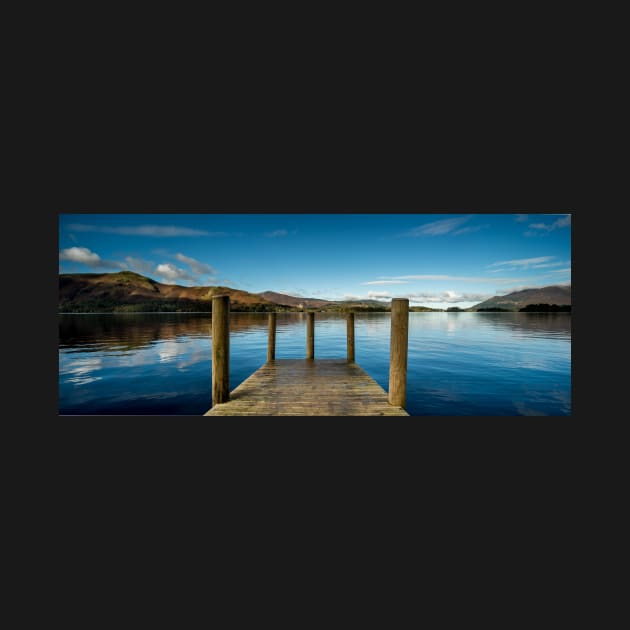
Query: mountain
point(129, 291)
point(559, 295)
point(289, 300)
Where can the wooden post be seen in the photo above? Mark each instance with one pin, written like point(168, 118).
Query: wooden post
point(398, 352)
point(271, 341)
point(310, 335)
point(350, 337)
point(220, 349)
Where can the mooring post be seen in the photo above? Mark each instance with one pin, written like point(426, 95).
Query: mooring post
point(220, 349)
point(398, 352)
point(350, 337)
point(271, 341)
point(310, 335)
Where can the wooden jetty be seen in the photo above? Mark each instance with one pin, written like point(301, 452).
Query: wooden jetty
point(308, 387)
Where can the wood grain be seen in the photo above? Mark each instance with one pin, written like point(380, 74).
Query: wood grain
point(220, 349)
point(350, 337)
point(398, 352)
point(310, 335)
point(271, 341)
point(302, 387)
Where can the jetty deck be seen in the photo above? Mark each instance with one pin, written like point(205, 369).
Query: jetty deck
point(308, 387)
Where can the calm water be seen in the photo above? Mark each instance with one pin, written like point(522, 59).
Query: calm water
point(459, 363)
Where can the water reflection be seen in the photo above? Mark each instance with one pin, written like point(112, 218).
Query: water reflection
point(459, 363)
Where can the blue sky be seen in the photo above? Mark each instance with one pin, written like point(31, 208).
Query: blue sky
point(439, 260)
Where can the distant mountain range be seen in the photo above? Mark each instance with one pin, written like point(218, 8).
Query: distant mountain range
point(290, 300)
point(559, 295)
point(127, 291)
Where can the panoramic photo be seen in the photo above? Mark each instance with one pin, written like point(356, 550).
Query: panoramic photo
point(305, 314)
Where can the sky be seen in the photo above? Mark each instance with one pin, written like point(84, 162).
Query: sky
point(439, 260)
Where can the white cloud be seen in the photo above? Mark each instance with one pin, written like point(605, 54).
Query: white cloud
point(521, 218)
point(437, 228)
point(88, 258)
point(170, 273)
point(143, 230)
point(81, 255)
point(568, 269)
point(523, 262)
point(195, 265)
point(276, 233)
point(450, 297)
point(427, 297)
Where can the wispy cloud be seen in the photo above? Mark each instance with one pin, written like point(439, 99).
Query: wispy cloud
point(438, 228)
point(196, 266)
point(143, 230)
point(457, 278)
point(553, 264)
point(521, 218)
point(563, 221)
point(523, 262)
point(386, 282)
point(471, 228)
point(276, 233)
point(139, 264)
point(567, 270)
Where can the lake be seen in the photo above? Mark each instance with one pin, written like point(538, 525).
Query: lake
point(459, 363)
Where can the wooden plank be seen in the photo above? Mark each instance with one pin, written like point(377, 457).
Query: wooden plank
point(302, 387)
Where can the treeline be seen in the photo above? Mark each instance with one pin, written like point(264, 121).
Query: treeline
point(105, 305)
point(354, 308)
point(545, 308)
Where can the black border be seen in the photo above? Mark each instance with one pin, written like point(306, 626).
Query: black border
point(122, 182)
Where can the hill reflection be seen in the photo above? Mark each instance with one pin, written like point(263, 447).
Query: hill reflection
point(132, 331)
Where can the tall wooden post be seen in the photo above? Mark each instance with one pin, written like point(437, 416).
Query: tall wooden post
point(220, 349)
point(271, 340)
point(310, 335)
point(350, 337)
point(398, 352)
